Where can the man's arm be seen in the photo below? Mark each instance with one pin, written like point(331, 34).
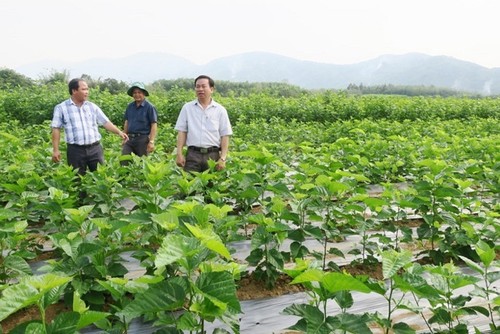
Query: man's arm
point(224, 150)
point(152, 136)
point(112, 128)
point(56, 138)
point(125, 126)
point(152, 133)
point(224, 147)
point(181, 141)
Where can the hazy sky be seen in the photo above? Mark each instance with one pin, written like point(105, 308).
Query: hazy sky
point(329, 31)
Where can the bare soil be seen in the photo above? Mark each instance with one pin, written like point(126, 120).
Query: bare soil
point(31, 313)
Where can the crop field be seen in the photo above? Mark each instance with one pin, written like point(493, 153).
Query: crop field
point(413, 181)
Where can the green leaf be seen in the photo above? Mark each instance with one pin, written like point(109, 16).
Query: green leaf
point(53, 295)
point(352, 323)
point(442, 192)
point(311, 275)
point(33, 327)
point(176, 248)
point(17, 264)
point(220, 288)
point(210, 239)
point(393, 261)
point(312, 314)
point(91, 317)
point(169, 220)
point(402, 328)
point(78, 304)
point(164, 296)
point(485, 253)
point(187, 321)
point(64, 323)
point(335, 282)
point(28, 291)
point(17, 297)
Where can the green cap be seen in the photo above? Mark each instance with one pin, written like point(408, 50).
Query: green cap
point(139, 85)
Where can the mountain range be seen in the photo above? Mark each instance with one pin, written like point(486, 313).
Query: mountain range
point(412, 69)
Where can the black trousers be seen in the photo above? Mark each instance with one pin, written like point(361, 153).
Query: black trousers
point(136, 145)
point(197, 161)
point(85, 157)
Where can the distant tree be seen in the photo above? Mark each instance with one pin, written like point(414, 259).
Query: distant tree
point(90, 82)
point(229, 88)
point(113, 86)
point(56, 77)
point(167, 85)
point(10, 78)
point(389, 89)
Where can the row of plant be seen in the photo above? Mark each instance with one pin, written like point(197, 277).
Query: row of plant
point(181, 227)
point(35, 104)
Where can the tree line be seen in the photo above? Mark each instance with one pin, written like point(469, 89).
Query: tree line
point(32, 102)
point(10, 78)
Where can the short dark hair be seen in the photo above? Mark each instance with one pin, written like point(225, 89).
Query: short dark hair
point(211, 81)
point(74, 84)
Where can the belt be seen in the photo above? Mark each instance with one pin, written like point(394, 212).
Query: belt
point(133, 135)
point(86, 146)
point(204, 149)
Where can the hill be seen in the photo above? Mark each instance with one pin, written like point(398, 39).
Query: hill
point(408, 69)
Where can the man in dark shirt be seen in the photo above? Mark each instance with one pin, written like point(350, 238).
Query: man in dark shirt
point(141, 120)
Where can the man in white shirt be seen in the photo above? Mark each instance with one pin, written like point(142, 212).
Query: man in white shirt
point(203, 126)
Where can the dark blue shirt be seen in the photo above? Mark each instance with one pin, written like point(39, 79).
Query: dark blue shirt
point(139, 119)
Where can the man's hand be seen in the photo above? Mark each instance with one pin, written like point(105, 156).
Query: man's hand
point(180, 161)
point(151, 147)
point(56, 156)
point(221, 164)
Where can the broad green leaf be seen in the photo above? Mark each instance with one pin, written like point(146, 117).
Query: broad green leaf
point(219, 287)
point(442, 192)
point(164, 296)
point(393, 261)
point(402, 328)
point(312, 275)
point(169, 220)
point(90, 317)
point(335, 282)
point(78, 304)
point(64, 323)
point(11, 227)
point(176, 248)
point(210, 239)
point(485, 252)
point(187, 321)
point(17, 297)
point(357, 177)
point(52, 296)
point(17, 264)
point(312, 314)
point(78, 215)
point(352, 323)
point(28, 291)
point(375, 203)
point(219, 212)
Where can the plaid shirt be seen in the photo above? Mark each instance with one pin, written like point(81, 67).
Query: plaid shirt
point(81, 124)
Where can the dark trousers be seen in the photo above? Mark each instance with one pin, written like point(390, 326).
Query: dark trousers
point(136, 145)
point(82, 158)
point(85, 157)
point(197, 161)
